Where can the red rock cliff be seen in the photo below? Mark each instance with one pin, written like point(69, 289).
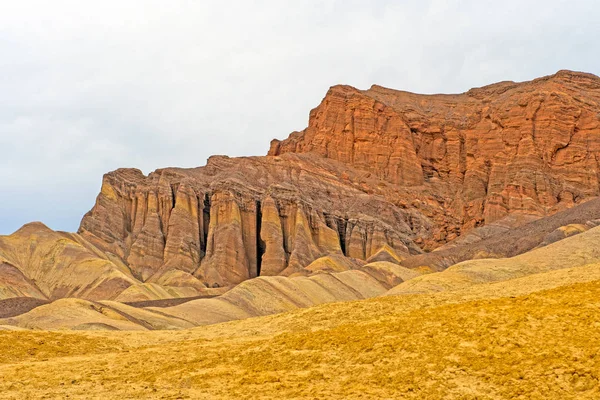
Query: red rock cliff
point(530, 148)
point(237, 218)
point(377, 175)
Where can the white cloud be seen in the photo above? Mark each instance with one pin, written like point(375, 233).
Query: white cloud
point(87, 87)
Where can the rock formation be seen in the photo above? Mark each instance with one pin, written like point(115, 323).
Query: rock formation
point(507, 148)
point(236, 219)
point(377, 176)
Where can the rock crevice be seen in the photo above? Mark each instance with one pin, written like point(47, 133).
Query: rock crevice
point(227, 231)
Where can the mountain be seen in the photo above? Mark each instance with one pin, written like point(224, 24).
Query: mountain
point(237, 219)
point(529, 148)
point(378, 176)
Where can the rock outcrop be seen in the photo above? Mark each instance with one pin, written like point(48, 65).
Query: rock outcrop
point(505, 242)
point(236, 219)
point(530, 148)
point(379, 176)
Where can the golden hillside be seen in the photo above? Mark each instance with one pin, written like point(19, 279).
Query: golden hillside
point(276, 294)
point(570, 252)
point(534, 337)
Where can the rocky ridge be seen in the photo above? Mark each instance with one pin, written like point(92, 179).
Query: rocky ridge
point(378, 175)
point(236, 219)
point(530, 148)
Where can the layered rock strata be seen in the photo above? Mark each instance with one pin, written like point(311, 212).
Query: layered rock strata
point(530, 148)
point(236, 219)
point(378, 175)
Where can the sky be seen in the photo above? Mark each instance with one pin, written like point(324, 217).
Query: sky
point(90, 86)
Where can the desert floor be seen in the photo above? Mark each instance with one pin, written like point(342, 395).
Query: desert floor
point(532, 338)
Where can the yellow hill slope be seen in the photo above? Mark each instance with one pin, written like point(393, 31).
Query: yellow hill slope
point(254, 297)
point(61, 265)
point(276, 294)
point(503, 340)
point(79, 314)
point(570, 252)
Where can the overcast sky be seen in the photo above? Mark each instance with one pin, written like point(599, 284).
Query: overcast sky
point(90, 86)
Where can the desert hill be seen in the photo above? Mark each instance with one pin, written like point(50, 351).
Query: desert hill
point(378, 176)
point(401, 246)
point(575, 256)
point(255, 297)
point(530, 337)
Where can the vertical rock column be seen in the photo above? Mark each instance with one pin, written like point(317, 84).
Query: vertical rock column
point(274, 259)
point(231, 242)
point(182, 248)
point(146, 254)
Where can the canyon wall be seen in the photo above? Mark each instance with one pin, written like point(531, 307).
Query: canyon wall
point(236, 219)
point(530, 148)
point(378, 175)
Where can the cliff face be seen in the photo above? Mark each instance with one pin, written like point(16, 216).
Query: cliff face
point(529, 148)
point(238, 218)
point(378, 175)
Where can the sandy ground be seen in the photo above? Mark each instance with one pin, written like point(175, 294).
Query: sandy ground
point(516, 339)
